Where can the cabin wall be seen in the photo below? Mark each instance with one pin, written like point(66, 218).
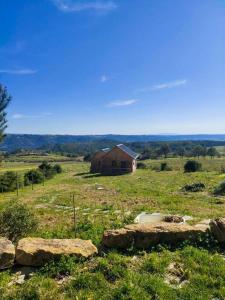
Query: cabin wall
point(96, 162)
point(116, 162)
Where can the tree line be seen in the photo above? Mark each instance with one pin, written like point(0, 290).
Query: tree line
point(166, 150)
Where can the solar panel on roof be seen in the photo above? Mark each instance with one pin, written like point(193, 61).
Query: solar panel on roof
point(105, 149)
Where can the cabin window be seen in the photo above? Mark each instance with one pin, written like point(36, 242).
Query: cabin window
point(99, 163)
point(123, 164)
point(113, 163)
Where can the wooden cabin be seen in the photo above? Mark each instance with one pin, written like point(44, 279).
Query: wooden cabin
point(96, 161)
point(118, 160)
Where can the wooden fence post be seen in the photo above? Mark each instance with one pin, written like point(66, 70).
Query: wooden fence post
point(74, 216)
point(17, 185)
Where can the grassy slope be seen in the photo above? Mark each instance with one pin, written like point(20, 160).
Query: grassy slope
point(127, 276)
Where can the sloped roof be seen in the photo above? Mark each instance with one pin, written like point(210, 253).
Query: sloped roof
point(128, 151)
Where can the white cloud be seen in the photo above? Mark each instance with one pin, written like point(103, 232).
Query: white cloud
point(18, 71)
point(75, 6)
point(166, 85)
point(104, 78)
point(18, 116)
point(122, 103)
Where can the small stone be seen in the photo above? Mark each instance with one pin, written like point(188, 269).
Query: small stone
point(175, 276)
point(173, 219)
point(17, 278)
point(20, 280)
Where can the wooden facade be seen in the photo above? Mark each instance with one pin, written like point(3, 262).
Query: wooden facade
point(119, 160)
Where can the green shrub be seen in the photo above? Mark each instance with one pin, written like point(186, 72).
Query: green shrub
point(164, 167)
point(8, 182)
point(220, 189)
point(195, 187)
point(33, 176)
point(16, 221)
point(47, 170)
point(141, 165)
point(57, 168)
point(192, 166)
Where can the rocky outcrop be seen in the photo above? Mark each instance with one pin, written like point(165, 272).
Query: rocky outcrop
point(143, 236)
point(37, 251)
point(7, 253)
point(217, 227)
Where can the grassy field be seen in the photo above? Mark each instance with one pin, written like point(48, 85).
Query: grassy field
point(107, 202)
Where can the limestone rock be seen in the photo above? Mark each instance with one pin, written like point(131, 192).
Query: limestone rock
point(143, 236)
point(217, 227)
point(7, 253)
point(37, 251)
point(204, 224)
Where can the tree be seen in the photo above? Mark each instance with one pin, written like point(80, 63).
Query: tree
point(192, 166)
point(8, 181)
point(47, 170)
point(212, 152)
point(198, 151)
point(16, 221)
point(164, 150)
point(5, 98)
point(57, 168)
point(181, 151)
point(33, 177)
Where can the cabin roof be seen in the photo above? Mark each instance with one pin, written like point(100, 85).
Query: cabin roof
point(128, 151)
point(105, 150)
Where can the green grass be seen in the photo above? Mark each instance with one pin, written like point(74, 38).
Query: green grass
point(115, 275)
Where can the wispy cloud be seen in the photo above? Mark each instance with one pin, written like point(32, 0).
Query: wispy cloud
point(104, 78)
point(165, 85)
point(18, 71)
point(122, 103)
point(18, 116)
point(75, 6)
point(13, 48)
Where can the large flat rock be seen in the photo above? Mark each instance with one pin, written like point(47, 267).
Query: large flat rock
point(37, 251)
point(7, 253)
point(217, 227)
point(143, 236)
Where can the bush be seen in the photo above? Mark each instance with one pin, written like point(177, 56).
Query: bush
point(8, 182)
point(57, 168)
point(192, 166)
point(220, 189)
point(47, 170)
point(87, 158)
point(16, 221)
point(33, 176)
point(141, 165)
point(195, 187)
point(164, 167)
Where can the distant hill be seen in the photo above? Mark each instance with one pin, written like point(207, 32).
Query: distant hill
point(28, 141)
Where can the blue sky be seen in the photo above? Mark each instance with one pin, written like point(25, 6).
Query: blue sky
point(114, 66)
